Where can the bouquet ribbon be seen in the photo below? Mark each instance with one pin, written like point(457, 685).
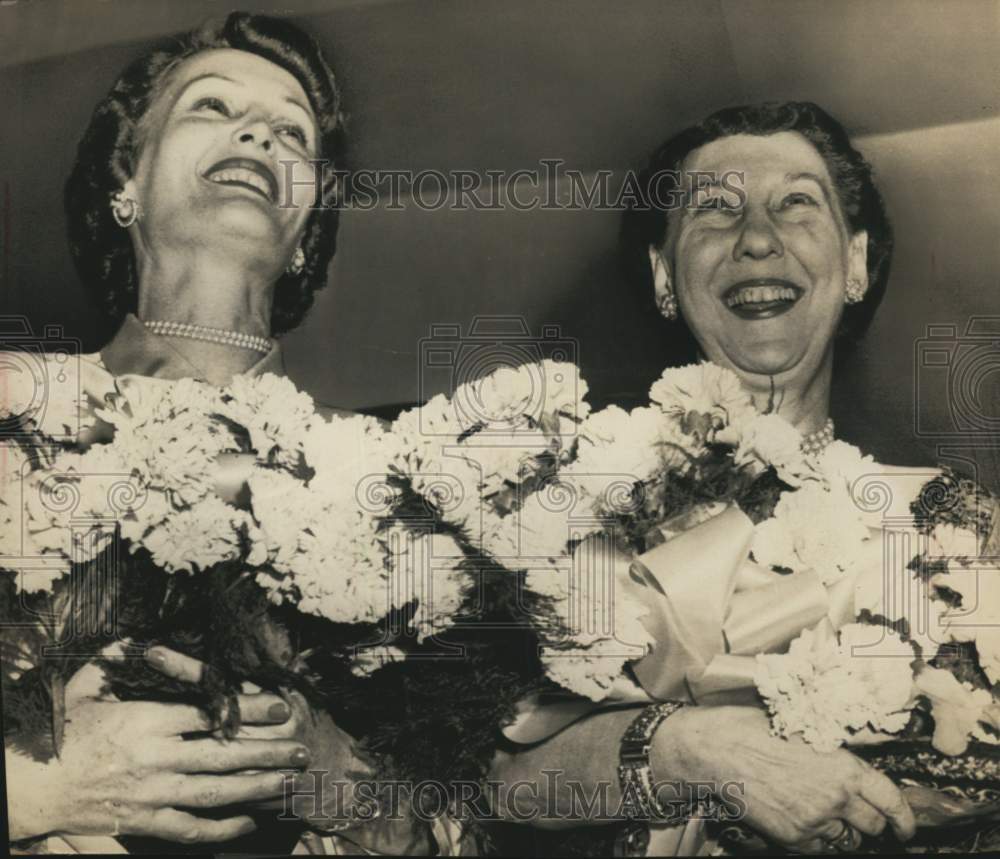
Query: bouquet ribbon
point(711, 611)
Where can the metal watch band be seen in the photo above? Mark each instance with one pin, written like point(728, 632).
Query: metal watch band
point(634, 774)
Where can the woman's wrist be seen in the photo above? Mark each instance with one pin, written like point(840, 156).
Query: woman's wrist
point(640, 788)
point(33, 812)
point(681, 748)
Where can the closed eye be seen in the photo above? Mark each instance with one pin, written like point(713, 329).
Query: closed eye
point(718, 203)
point(799, 198)
point(212, 103)
point(296, 132)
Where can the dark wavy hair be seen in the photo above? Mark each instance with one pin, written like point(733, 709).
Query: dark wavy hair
point(109, 150)
point(860, 201)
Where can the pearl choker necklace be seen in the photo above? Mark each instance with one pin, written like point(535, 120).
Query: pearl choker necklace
point(816, 442)
point(211, 335)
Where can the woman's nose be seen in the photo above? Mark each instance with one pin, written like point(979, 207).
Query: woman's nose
point(758, 238)
point(256, 133)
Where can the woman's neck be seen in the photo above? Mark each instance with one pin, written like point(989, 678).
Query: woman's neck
point(803, 402)
point(205, 292)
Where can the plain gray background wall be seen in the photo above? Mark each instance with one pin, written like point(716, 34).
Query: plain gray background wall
point(500, 85)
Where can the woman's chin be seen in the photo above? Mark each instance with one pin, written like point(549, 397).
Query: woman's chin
point(769, 363)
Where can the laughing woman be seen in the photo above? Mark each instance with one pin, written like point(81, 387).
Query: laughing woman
point(187, 231)
point(780, 259)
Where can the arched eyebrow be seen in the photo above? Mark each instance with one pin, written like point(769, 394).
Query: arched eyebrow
point(304, 108)
point(202, 77)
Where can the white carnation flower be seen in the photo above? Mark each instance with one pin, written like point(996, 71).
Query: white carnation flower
point(814, 527)
point(275, 414)
point(171, 439)
point(705, 389)
point(584, 661)
point(198, 537)
point(152, 508)
point(565, 390)
point(95, 486)
point(283, 507)
point(435, 418)
point(440, 593)
point(424, 447)
point(826, 690)
point(539, 530)
point(346, 454)
point(844, 463)
point(504, 398)
point(614, 444)
point(326, 557)
point(591, 672)
point(507, 397)
point(988, 651)
point(504, 458)
point(959, 710)
point(769, 440)
point(774, 544)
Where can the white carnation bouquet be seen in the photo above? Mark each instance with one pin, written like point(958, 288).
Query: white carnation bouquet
point(692, 549)
point(689, 548)
point(240, 526)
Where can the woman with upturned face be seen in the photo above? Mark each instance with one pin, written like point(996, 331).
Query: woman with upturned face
point(197, 222)
point(192, 207)
point(766, 247)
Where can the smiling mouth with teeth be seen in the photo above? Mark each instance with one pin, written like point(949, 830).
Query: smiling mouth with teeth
point(760, 295)
point(243, 177)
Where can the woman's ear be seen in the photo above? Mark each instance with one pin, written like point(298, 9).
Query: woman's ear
point(663, 284)
point(857, 260)
point(131, 190)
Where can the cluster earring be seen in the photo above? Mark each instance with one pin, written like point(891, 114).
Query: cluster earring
point(855, 292)
point(124, 209)
point(298, 262)
point(667, 305)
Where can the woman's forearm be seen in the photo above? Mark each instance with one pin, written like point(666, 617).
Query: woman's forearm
point(569, 780)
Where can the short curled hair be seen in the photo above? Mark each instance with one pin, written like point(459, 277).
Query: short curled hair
point(860, 201)
point(110, 148)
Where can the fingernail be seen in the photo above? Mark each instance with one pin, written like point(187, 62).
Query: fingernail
point(300, 757)
point(278, 712)
point(155, 658)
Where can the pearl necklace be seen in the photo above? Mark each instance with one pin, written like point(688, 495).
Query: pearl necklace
point(816, 442)
point(211, 335)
